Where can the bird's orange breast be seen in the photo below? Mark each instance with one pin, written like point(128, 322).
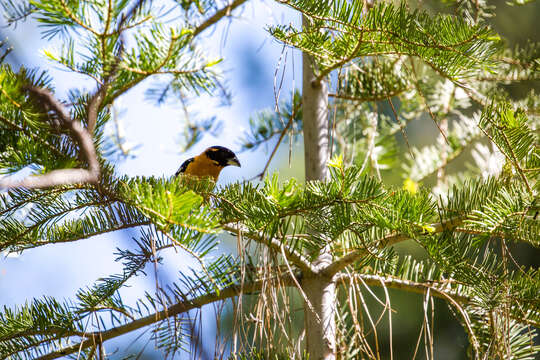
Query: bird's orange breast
point(203, 166)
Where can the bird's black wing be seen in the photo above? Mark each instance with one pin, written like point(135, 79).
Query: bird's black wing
point(184, 166)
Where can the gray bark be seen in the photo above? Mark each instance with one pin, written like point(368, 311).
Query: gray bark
point(319, 313)
point(320, 323)
point(315, 120)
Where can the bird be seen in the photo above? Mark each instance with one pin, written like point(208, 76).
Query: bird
point(209, 163)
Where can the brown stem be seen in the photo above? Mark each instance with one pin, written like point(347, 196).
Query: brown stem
point(79, 134)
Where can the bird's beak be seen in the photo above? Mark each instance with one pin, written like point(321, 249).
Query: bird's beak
point(234, 162)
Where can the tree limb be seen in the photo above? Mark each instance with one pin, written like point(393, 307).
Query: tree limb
point(293, 256)
point(81, 237)
point(99, 337)
point(94, 105)
point(410, 286)
point(79, 134)
point(226, 11)
point(97, 99)
point(388, 240)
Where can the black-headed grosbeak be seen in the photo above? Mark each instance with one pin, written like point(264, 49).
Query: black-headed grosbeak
point(209, 163)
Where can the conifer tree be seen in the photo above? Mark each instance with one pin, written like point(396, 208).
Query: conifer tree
point(370, 69)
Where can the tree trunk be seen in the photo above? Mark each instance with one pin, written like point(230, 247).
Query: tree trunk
point(320, 321)
point(315, 122)
point(319, 313)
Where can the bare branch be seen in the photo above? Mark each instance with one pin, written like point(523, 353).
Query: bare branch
point(53, 178)
point(48, 99)
point(80, 135)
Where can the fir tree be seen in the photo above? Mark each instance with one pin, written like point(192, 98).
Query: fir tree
point(369, 69)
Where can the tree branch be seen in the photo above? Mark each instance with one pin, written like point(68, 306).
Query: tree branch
point(96, 100)
point(79, 134)
point(293, 256)
point(101, 336)
point(388, 240)
point(410, 286)
point(81, 237)
point(94, 105)
point(226, 11)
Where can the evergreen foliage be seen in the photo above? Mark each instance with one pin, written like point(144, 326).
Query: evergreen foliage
point(394, 65)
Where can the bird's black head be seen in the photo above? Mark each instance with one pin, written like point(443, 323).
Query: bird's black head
point(222, 156)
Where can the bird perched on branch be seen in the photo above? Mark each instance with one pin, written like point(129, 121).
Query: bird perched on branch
point(209, 163)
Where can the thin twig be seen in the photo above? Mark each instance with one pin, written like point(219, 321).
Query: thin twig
point(75, 19)
point(293, 277)
point(192, 253)
point(281, 137)
point(428, 108)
